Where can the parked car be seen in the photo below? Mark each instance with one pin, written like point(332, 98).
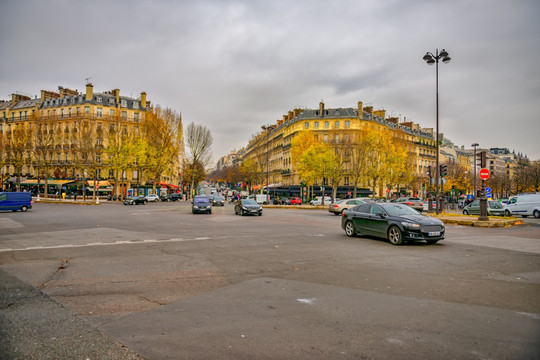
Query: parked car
point(494, 208)
point(524, 205)
point(135, 200)
point(414, 202)
point(395, 222)
point(217, 200)
point(282, 201)
point(174, 197)
point(152, 198)
point(247, 206)
point(340, 206)
point(201, 204)
point(259, 198)
point(318, 200)
point(15, 200)
point(295, 201)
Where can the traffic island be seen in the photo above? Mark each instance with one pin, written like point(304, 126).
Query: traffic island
point(472, 220)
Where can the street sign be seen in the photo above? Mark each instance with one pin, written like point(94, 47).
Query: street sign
point(484, 174)
point(488, 189)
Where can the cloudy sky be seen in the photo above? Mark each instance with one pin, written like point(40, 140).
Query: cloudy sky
point(236, 65)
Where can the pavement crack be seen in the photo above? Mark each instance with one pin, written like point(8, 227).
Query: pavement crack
point(63, 265)
point(152, 301)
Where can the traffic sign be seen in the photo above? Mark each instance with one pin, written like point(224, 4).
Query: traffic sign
point(484, 174)
point(488, 189)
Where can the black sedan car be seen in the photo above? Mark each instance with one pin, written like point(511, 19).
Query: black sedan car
point(201, 205)
point(395, 222)
point(135, 200)
point(247, 206)
point(217, 200)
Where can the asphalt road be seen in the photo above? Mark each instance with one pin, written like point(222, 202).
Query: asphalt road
point(157, 282)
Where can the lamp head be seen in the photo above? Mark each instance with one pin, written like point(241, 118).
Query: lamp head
point(446, 59)
point(430, 61)
point(427, 57)
point(443, 53)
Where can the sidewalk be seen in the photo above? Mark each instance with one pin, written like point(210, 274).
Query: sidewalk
point(33, 326)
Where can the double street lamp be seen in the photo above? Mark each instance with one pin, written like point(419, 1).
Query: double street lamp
point(431, 59)
point(267, 128)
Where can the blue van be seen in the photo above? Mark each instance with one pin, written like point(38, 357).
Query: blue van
point(15, 201)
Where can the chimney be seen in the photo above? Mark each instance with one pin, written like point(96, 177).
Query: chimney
point(285, 118)
point(143, 99)
point(360, 110)
point(381, 113)
point(279, 122)
point(394, 120)
point(291, 115)
point(321, 108)
point(15, 98)
point(116, 93)
point(89, 92)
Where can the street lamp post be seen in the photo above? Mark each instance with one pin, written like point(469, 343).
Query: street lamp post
point(267, 128)
point(431, 59)
point(475, 145)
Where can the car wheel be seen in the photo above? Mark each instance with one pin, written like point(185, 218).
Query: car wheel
point(394, 235)
point(241, 212)
point(24, 208)
point(507, 213)
point(210, 212)
point(524, 216)
point(465, 212)
point(349, 229)
point(260, 214)
point(431, 242)
point(536, 214)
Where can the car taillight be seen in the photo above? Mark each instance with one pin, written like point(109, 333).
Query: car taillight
point(335, 206)
point(409, 203)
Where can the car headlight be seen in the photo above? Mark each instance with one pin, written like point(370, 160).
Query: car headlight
point(410, 225)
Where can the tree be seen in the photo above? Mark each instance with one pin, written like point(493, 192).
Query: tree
point(162, 131)
point(199, 140)
point(43, 138)
point(18, 149)
point(3, 155)
point(249, 171)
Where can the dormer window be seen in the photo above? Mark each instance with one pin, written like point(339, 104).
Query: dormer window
point(111, 101)
point(123, 103)
point(135, 105)
point(99, 99)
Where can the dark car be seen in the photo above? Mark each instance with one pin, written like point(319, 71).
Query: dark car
point(282, 201)
point(395, 222)
point(174, 197)
point(135, 200)
point(201, 204)
point(217, 200)
point(247, 206)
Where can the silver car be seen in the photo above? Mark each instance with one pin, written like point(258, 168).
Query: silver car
point(340, 206)
point(414, 202)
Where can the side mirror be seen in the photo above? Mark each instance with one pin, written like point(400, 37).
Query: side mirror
point(382, 215)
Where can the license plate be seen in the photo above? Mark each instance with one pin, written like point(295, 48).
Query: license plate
point(434, 233)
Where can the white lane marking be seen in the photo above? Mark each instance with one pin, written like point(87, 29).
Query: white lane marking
point(119, 242)
point(306, 301)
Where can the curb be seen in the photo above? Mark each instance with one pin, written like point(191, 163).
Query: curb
point(466, 221)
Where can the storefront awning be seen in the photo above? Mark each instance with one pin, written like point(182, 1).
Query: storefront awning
point(168, 185)
point(49, 182)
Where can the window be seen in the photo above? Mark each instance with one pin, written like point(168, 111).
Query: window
point(336, 139)
point(87, 109)
point(111, 113)
point(136, 117)
point(62, 113)
point(336, 125)
point(347, 124)
point(325, 138)
point(111, 101)
point(99, 112)
point(123, 103)
point(316, 125)
point(135, 105)
point(99, 99)
point(306, 125)
point(326, 125)
point(124, 115)
point(69, 112)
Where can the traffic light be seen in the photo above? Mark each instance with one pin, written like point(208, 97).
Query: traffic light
point(428, 172)
point(423, 186)
point(481, 159)
point(443, 170)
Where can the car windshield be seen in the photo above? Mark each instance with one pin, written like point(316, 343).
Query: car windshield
point(217, 198)
point(399, 210)
point(249, 202)
point(495, 205)
point(201, 200)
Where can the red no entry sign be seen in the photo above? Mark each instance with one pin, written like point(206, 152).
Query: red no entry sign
point(484, 174)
